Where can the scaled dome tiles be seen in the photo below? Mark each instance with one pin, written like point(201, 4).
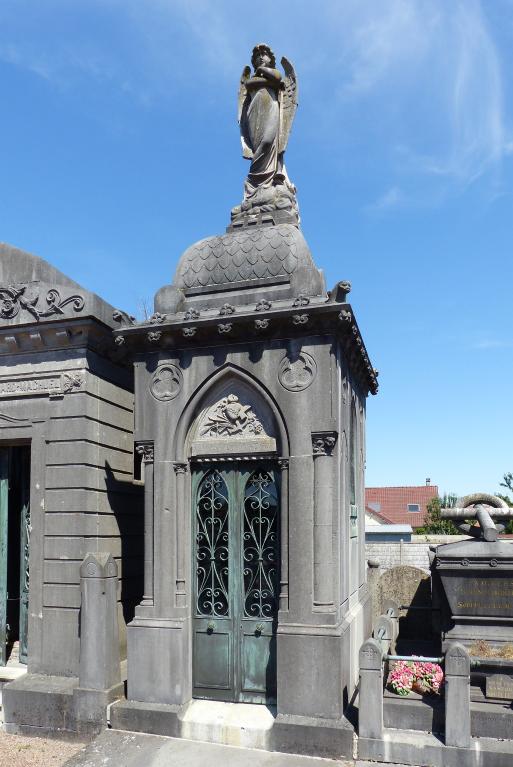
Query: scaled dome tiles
point(250, 254)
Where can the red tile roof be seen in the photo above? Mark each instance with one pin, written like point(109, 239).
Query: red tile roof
point(378, 515)
point(392, 502)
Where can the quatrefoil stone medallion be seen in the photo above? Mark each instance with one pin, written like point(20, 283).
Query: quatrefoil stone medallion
point(297, 374)
point(166, 382)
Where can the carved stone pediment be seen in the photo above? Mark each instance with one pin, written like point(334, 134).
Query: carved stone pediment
point(234, 423)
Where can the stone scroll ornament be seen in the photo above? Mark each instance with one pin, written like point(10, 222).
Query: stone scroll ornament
point(15, 298)
point(297, 374)
point(267, 104)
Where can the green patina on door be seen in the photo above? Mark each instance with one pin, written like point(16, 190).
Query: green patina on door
point(236, 582)
point(14, 549)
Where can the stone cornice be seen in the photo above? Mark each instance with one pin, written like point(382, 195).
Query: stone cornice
point(264, 321)
point(72, 333)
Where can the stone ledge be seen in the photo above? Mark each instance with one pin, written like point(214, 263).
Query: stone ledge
point(237, 725)
point(407, 747)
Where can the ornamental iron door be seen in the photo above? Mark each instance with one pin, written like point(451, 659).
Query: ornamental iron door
point(236, 561)
point(14, 549)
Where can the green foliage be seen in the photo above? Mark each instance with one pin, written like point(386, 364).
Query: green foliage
point(508, 484)
point(433, 523)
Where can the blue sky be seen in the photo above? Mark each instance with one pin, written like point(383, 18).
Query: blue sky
point(120, 148)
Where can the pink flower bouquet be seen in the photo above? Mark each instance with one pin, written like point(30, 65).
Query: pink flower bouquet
point(421, 676)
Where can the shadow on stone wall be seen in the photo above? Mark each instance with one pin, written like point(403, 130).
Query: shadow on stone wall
point(127, 503)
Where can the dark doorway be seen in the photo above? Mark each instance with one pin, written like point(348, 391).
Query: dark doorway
point(14, 550)
point(236, 581)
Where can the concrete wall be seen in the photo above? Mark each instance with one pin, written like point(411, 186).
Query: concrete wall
point(414, 553)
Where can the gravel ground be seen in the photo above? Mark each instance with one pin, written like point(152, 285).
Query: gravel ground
point(18, 751)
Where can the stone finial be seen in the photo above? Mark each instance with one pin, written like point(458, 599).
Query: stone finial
point(98, 564)
point(371, 655)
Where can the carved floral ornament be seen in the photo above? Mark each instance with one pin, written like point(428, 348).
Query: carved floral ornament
point(229, 417)
point(14, 298)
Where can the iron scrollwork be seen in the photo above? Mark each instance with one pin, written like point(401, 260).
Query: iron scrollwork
point(260, 546)
point(212, 531)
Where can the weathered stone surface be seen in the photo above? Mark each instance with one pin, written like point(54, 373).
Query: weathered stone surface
point(250, 257)
point(32, 290)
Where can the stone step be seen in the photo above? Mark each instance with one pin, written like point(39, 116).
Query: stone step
point(235, 724)
point(128, 749)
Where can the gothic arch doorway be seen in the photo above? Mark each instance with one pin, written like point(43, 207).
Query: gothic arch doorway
point(236, 498)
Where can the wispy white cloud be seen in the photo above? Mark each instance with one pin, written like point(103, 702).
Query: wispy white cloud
point(392, 198)
point(493, 343)
point(423, 75)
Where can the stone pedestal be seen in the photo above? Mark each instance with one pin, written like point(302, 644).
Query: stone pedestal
point(100, 676)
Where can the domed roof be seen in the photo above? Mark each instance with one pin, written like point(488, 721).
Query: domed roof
point(245, 256)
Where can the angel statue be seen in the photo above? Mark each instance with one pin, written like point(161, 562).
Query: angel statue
point(266, 108)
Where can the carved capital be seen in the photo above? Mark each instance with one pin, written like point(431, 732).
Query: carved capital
point(180, 468)
point(283, 463)
point(145, 449)
point(324, 442)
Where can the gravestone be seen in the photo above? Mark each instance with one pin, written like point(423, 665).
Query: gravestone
point(476, 576)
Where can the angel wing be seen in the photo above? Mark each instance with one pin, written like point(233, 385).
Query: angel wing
point(246, 74)
point(288, 103)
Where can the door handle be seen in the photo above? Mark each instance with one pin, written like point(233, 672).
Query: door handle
point(210, 627)
point(258, 629)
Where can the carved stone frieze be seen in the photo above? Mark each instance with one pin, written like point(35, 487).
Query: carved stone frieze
point(154, 336)
point(17, 298)
point(229, 417)
point(261, 324)
point(226, 309)
point(189, 332)
point(300, 319)
point(225, 327)
point(53, 384)
point(166, 382)
point(298, 373)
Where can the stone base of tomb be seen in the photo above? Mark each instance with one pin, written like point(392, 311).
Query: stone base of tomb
point(55, 706)
point(237, 724)
point(423, 749)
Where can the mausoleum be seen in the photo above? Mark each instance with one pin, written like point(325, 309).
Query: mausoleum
point(250, 381)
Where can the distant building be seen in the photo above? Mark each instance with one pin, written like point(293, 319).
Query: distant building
point(398, 505)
